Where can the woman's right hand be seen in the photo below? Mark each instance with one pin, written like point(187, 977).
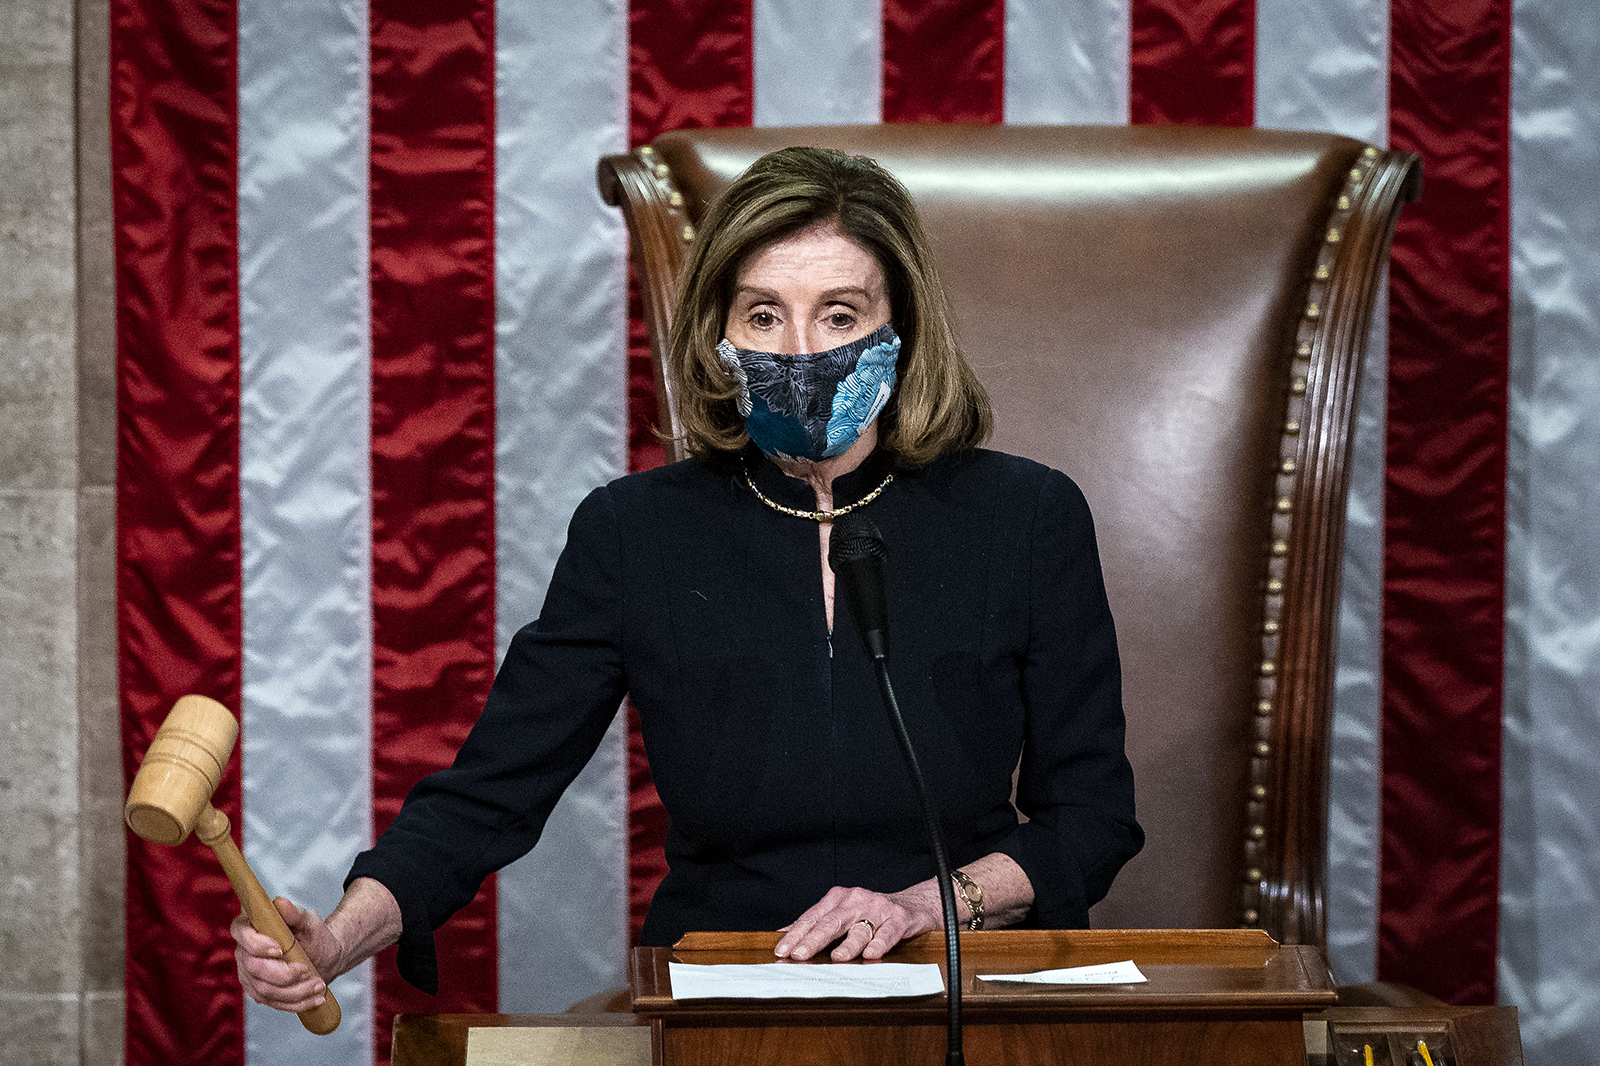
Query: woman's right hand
point(366, 921)
point(267, 978)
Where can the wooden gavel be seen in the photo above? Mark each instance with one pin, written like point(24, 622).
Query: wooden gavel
point(171, 795)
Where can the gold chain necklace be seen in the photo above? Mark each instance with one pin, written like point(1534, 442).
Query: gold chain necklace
point(818, 516)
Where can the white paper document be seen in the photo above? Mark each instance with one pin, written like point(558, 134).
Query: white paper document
point(788, 980)
point(1106, 973)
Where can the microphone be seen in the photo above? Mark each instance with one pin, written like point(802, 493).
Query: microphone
point(856, 552)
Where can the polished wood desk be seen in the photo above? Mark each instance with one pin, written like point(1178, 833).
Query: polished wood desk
point(1213, 996)
point(1231, 997)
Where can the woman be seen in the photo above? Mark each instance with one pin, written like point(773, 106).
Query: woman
point(817, 374)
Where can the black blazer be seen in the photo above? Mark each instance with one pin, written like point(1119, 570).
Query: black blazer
point(767, 741)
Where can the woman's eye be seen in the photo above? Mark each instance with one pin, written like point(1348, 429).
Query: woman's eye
point(841, 320)
point(762, 319)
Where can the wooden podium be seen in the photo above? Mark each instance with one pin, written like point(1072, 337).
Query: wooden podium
point(1233, 997)
point(1214, 996)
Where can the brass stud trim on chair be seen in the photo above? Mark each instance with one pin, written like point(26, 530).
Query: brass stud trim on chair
point(1312, 323)
point(662, 175)
point(1317, 332)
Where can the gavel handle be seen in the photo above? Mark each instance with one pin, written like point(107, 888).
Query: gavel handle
point(212, 829)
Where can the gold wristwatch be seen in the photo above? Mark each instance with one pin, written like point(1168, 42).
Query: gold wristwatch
point(972, 893)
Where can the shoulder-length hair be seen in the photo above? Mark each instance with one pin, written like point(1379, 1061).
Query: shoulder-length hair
point(938, 406)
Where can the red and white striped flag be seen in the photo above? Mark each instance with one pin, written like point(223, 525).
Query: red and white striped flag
point(373, 349)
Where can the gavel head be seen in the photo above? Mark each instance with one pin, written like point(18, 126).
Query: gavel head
point(181, 770)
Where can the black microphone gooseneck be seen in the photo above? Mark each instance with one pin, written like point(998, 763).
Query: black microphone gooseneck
point(856, 552)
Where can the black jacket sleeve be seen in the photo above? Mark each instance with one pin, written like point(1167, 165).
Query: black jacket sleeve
point(556, 692)
point(1075, 784)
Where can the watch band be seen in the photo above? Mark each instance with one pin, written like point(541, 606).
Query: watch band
point(972, 893)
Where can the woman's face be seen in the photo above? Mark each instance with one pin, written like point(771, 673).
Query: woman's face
point(806, 293)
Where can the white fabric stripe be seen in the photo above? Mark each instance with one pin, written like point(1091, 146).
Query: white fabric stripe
point(1326, 67)
point(561, 410)
point(303, 447)
point(1323, 67)
point(817, 62)
point(1353, 771)
point(1066, 61)
point(1550, 870)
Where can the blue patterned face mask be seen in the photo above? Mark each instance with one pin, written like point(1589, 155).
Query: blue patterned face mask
point(813, 406)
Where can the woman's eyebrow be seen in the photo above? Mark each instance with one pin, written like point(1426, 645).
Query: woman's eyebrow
point(846, 290)
point(765, 295)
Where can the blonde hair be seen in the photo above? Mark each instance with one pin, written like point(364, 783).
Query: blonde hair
point(939, 405)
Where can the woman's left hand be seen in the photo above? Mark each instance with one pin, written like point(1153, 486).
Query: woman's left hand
point(870, 922)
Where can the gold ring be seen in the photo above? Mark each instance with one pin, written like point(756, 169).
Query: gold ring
point(872, 930)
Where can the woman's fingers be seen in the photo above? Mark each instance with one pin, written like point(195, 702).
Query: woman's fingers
point(290, 986)
point(265, 975)
point(888, 933)
point(866, 924)
point(856, 937)
point(251, 941)
point(300, 920)
point(805, 936)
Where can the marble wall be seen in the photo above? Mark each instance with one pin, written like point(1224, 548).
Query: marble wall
point(61, 845)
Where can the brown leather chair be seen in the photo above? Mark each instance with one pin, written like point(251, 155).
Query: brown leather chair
point(1176, 317)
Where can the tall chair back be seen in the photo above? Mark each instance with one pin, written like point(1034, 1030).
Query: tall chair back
point(1176, 317)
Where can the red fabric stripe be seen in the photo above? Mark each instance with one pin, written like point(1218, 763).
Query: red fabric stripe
point(1192, 62)
point(174, 136)
point(1444, 565)
point(432, 167)
point(647, 829)
point(689, 66)
point(944, 60)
